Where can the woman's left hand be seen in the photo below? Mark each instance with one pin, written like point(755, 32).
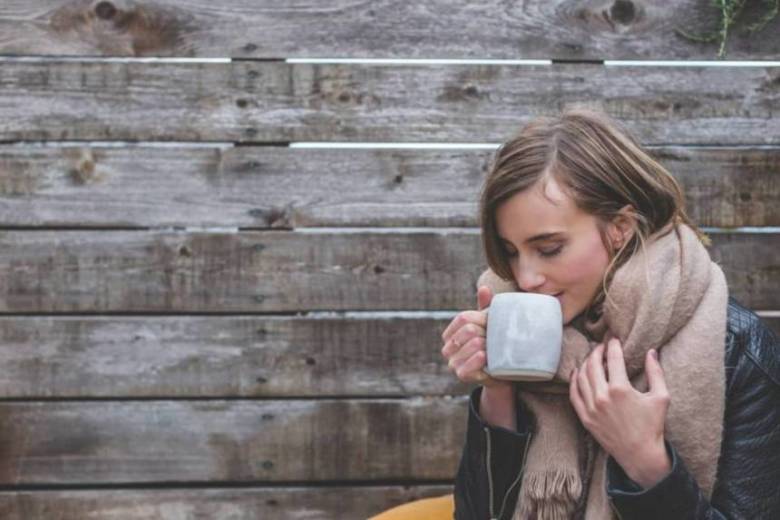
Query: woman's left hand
point(628, 424)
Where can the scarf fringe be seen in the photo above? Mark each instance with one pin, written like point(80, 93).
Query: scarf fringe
point(549, 495)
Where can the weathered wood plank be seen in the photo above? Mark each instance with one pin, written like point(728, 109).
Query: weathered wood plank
point(271, 271)
point(99, 186)
point(121, 442)
point(643, 29)
point(326, 503)
point(268, 271)
point(280, 102)
point(244, 356)
point(248, 356)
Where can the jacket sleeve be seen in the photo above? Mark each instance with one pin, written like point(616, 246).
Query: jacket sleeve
point(488, 478)
point(749, 464)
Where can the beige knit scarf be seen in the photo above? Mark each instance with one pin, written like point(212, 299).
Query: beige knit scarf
point(671, 297)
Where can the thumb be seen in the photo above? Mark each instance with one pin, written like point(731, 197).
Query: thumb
point(484, 295)
point(655, 374)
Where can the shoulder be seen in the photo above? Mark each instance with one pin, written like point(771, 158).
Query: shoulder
point(750, 342)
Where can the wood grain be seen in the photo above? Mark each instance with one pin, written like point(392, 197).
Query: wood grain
point(601, 29)
point(294, 503)
point(285, 441)
point(271, 187)
point(390, 354)
point(273, 102)
point(284, 271)
point(330, 355)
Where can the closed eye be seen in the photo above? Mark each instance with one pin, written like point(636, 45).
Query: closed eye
point(545, 253)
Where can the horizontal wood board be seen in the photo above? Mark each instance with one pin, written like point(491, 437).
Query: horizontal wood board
point(284, 271)
point(620, 29)
point(393, 354)
point(294, 503)
point(276, 102)
point(288, 441)
point(274, 187)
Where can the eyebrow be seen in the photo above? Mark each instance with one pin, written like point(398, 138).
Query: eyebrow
point(536, 238)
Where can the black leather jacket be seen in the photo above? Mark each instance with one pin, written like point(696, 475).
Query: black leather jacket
point(748, 475)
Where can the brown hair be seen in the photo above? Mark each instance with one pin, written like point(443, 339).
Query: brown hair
point(600, 165)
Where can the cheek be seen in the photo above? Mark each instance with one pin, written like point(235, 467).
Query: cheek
point(587, 267)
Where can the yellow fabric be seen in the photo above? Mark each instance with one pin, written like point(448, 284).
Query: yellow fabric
point(435, 508)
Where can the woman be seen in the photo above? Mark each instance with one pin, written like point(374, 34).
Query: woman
point(647, 416)
point(584, 176)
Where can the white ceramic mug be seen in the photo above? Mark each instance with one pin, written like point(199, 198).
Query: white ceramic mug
point(524, 333)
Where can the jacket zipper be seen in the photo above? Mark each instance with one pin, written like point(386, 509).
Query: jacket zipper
point(490, 476)
point(612, 505)
point(490, 473)
point(522, 469)
point(519, 476)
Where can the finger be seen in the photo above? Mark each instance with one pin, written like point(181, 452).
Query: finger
point(462, 336)
point(574, 395)
point(466, 351)
point(456, 323)
point(451, 346)
point(456, 352)
point(655, 374)
point(463, 319)
point(471, 369)
point(596, 376)
point(484, 295)
point(616, 364)
point(583, 386)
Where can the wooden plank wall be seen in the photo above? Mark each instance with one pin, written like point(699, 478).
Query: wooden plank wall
point(200, 321)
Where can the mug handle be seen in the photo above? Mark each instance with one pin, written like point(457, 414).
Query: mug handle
point(485, 368)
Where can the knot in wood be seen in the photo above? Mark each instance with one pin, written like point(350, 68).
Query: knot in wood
point(623, 11)
point(105, 10)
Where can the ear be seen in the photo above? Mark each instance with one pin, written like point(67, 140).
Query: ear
point(621, 229)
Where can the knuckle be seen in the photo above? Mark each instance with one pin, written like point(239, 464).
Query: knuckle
point(457, 320)
point(618, 390)
point(600, 401)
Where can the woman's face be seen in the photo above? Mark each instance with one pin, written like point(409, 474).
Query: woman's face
point(572, 262)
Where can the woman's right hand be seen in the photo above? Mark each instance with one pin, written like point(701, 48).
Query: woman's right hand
point(464, 344)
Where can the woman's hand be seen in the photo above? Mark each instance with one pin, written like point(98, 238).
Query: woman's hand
point(464, 344)
point(628, 424)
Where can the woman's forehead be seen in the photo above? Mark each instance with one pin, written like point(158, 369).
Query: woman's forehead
point(534, 211)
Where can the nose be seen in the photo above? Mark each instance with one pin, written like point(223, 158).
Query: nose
point(528, 278)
